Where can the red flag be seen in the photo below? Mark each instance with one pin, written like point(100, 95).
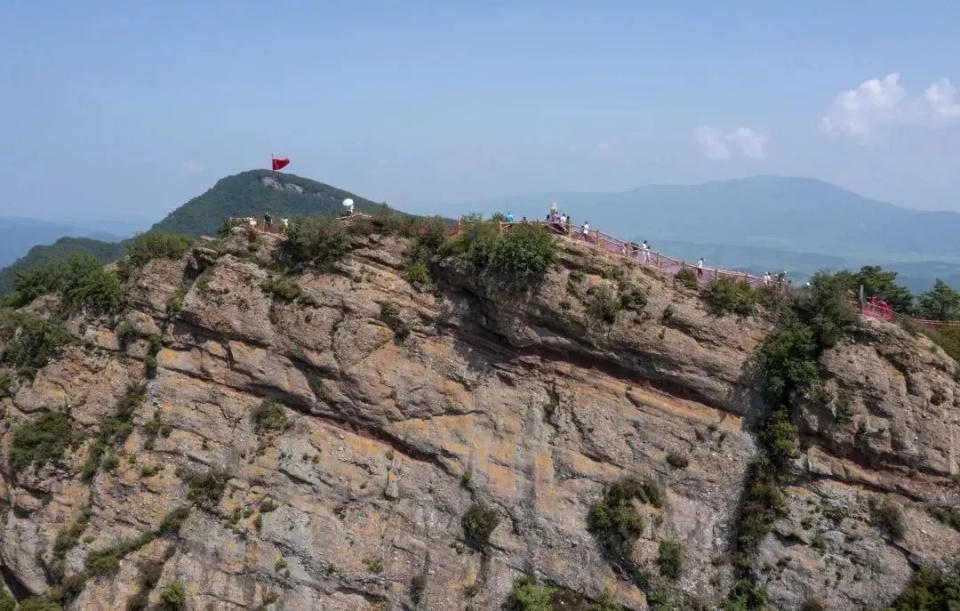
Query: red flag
point(279, 164)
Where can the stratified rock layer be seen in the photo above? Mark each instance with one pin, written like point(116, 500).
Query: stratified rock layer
point(528, 406)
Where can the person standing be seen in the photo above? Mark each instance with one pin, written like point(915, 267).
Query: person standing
point(646, 253)
point(700, 268)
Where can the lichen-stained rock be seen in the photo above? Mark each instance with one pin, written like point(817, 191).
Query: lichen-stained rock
point(328, 445)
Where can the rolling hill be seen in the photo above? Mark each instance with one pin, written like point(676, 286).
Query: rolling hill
point(18, 235)
point(249, 193)
point(104, 252)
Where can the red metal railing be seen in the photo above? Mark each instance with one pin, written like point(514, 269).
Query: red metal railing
point(637, 254)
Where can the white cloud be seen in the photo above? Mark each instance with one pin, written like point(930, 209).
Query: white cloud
point(383, 162)
point(860, 112)
point(721, 146)
point(192, 166)
point(603, 146)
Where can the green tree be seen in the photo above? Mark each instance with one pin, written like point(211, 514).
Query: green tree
point(880, 284)
point(316, 241)
point(939, 303)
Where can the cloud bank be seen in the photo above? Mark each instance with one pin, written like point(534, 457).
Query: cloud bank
point(861, 112)
point(721, 146)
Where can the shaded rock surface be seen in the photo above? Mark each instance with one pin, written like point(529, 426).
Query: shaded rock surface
point(536, 403)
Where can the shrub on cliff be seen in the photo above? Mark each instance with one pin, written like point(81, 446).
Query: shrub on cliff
point(478, 523)
point(42, 441)
point(153, 245)
point(315, 241)
point(81, 281)
point(30, 342)
point(523, 255)
point(614, 521)
point(730, 296)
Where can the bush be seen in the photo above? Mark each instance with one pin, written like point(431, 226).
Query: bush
point(418, 276)
point(7, 602)
point(107, 561)
point(30, 342)
point(478, 523)
point(80, 279)
point(677, 460)
point(729, 296)
point(762, 506)
point(173, 521)
point(930, 591)
point(686, 277)
point(417, 585)
point(155, 245)
point(206, 489)
point(614, 521)
point(320, 242)
point(42, 441)
point(889, 516)
point(6, 382)
point(527, 595)
point(173, 595)
point(523, 255)
point(670, 559)
point(391, 316)
point(270, 416)
point(633, 300)
point(281, 288)
point(744, 596)
point(947, 514)
point(604, 305)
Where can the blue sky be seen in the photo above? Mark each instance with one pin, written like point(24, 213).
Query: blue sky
point(128, 109)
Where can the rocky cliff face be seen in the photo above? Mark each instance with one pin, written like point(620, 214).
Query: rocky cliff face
point(320, 451)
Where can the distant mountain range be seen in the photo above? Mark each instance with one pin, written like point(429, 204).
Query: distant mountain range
point(764, 223)
point(18, 235)
point(249, 193)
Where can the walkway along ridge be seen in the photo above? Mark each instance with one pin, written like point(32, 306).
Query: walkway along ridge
point(632, 252)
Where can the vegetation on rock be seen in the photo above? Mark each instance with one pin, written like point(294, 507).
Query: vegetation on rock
point(153, 245)
point(29, 342)
point(730, 296)
point(315, 241)
point(42, 441)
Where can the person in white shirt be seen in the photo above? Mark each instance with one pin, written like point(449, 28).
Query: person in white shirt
point(586, 231)
point(646, 252)
point(563, 219)
point(766, 278)
point(700, 268)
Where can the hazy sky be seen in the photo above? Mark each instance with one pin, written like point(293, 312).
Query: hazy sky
point(130, 108)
